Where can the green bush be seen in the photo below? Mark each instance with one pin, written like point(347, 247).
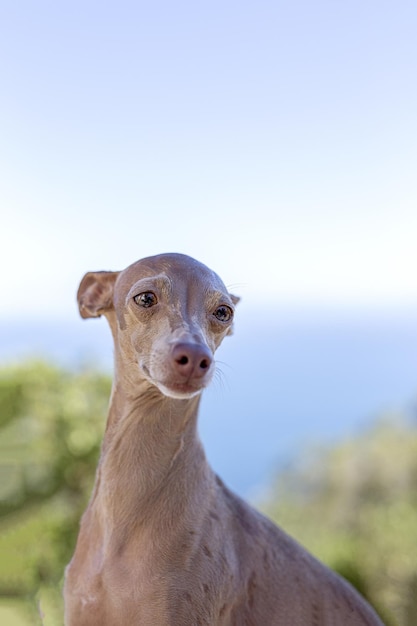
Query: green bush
point(51, 423)
point(354, 505)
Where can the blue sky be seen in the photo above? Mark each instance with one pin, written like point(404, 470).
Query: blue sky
point(275, 141)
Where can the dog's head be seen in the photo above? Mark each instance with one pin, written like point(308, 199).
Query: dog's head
point(168, 314)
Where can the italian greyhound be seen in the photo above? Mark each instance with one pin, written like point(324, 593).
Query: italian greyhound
point(163, 541)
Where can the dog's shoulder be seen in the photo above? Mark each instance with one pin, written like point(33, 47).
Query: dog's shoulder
point(278, 569)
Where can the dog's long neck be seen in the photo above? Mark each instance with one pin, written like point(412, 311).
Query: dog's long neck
point(152, 465)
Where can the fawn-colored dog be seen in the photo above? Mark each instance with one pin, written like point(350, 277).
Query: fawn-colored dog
point(163, 542)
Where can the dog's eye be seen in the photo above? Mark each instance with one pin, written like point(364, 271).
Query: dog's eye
point(146, 299)
point(223, 313)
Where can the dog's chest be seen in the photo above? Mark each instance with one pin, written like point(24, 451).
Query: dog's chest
point(138, 588)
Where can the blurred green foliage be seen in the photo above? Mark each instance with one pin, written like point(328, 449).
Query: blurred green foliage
point(353, 504)
point(51, 426)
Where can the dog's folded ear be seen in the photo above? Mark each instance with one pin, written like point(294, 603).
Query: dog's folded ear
point(95, 293)
point(235, 300)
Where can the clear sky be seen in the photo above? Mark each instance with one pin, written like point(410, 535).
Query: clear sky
point(276, 141)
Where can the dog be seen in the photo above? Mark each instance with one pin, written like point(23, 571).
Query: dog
point(163, 541)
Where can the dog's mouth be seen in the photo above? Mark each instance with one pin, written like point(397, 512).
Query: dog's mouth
point(178, 389)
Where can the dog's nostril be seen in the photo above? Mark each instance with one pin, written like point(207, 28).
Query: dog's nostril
point(191, 360)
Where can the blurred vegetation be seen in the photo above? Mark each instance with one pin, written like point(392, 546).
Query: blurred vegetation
point(51, 426)
point(354, 504)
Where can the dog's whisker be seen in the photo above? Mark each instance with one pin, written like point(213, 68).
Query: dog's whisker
point(220, 380)
point(224, 364)
point(231, 286)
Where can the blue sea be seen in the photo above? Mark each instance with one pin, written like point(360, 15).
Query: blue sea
point(287, 380)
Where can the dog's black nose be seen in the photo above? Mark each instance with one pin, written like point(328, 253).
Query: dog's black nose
point(191, 360)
